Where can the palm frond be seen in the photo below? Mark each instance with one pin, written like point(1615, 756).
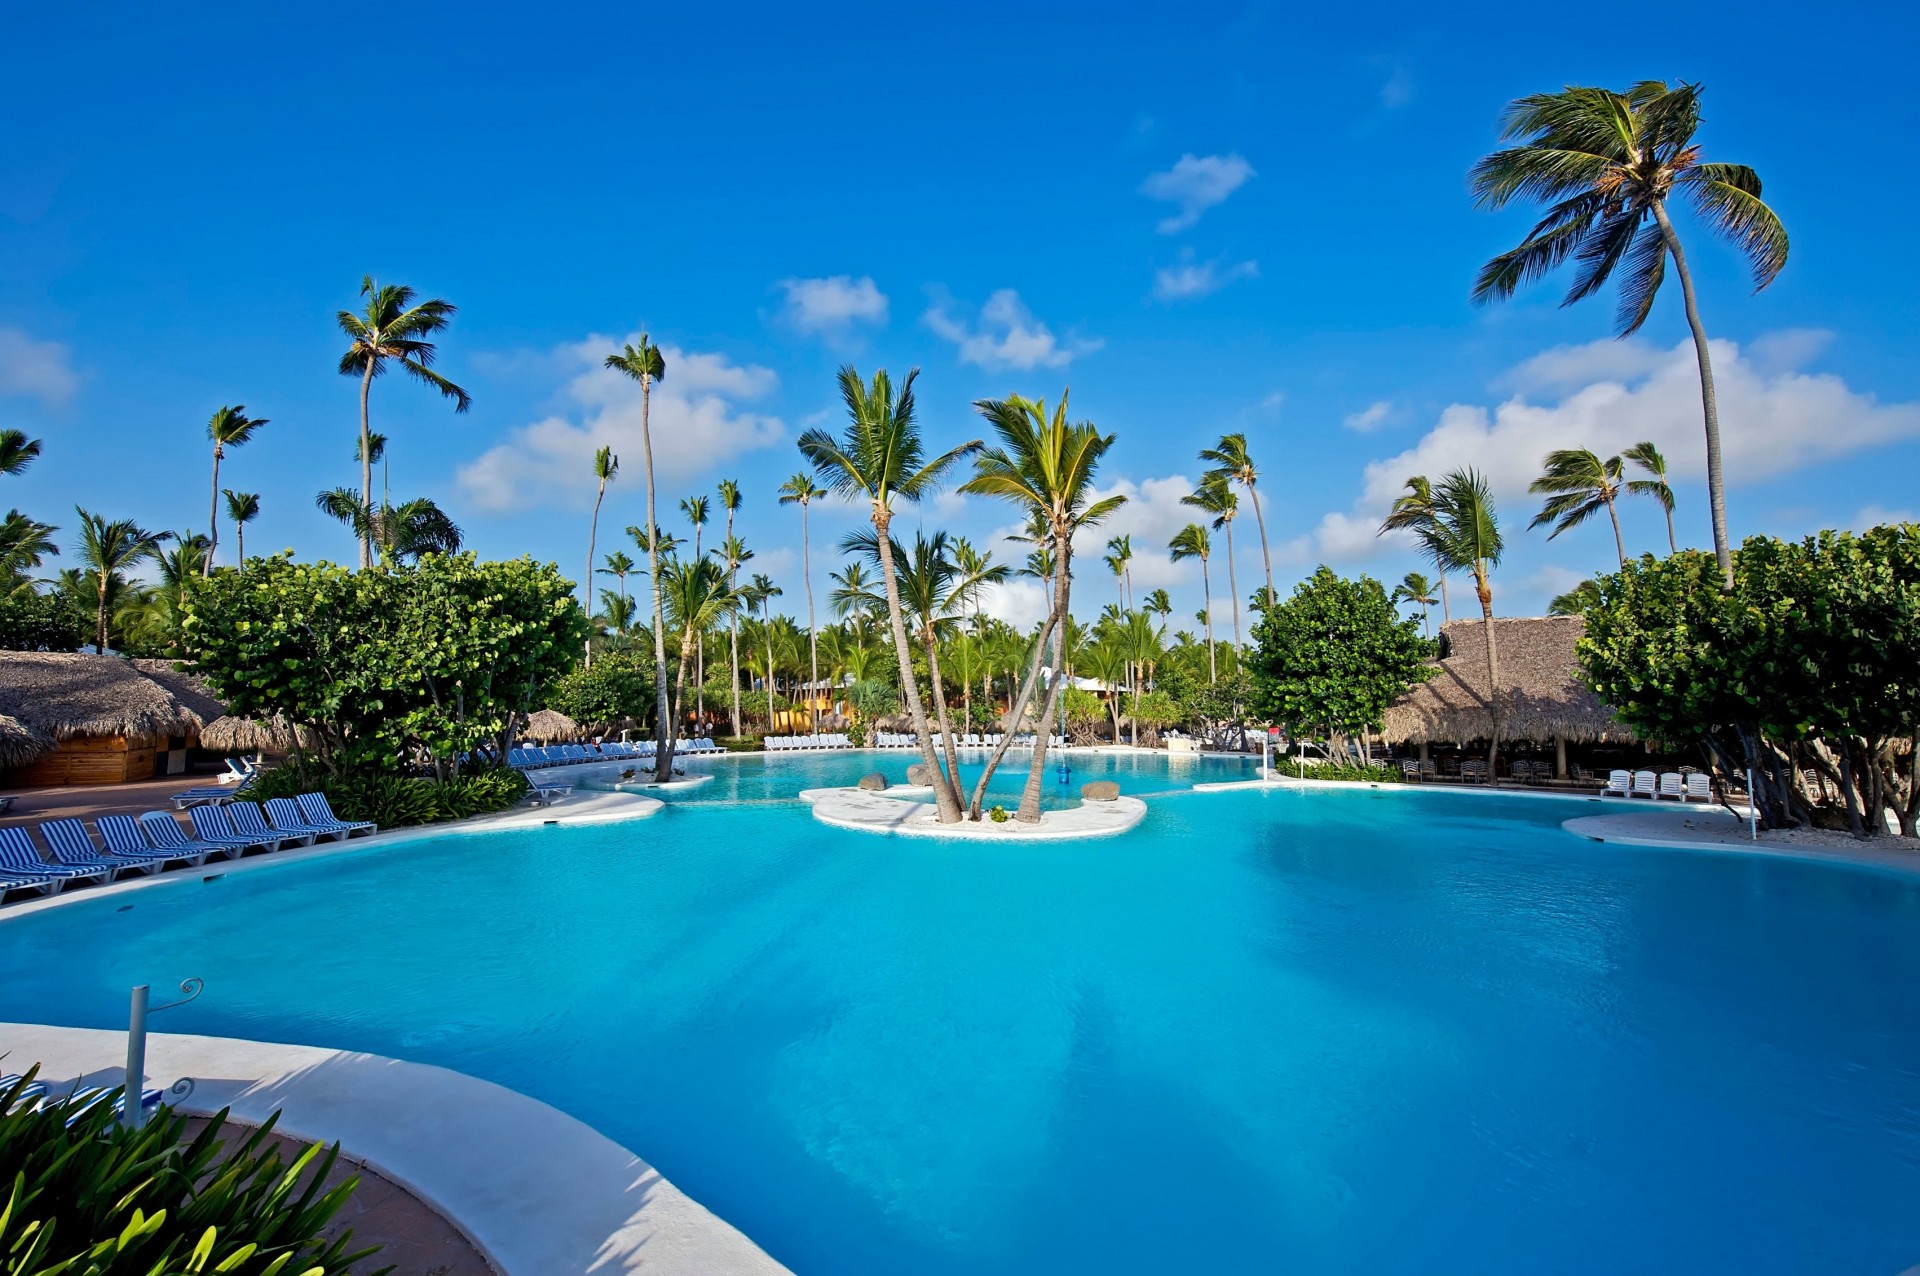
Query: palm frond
point(1727, 198)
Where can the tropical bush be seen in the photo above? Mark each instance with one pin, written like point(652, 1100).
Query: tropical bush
point(872, 698)
point(396, 801)
point(103, 1200)
point(32, 621)
point(1348, 771)
point(616, 686)
point(1333, 656)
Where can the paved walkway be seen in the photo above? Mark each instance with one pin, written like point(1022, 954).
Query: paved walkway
point(1717, 829)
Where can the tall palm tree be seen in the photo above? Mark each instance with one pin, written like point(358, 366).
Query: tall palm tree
point(697, 597)
point(646, 364)
point(1215, 497)
point(696, 508)
point(1191, 542)
point(763, 591)
point(802, 491)
point(394, 330)
point(17, 451)
point(1044, 466)
point(881, 458)
point(617, 611)
point(1415, 588)
point(854, 594)
point(1412, 511)
point(1232, 462)
point(1608, 162)
point(605, 466)
point(229, 427)
point(1119, 561)
point(242, 508)
point(978, 570)
point(1646, 457)
point(618, 566)
point(25, 544)
point(1578, 485)
point(730, 502)
point(1465, 537)
point(108, 550)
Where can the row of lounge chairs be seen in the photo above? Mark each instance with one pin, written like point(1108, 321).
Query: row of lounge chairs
point(154, 841)
point(1690, 786)
point(19, 1093)
point(971, 740)
point(791, 743)
point(532, 756)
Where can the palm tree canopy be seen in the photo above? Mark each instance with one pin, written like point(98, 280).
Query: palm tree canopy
point(1216, 497)
point(800, 490)
point(881, 455)
point(110, 547)
point(1414, 588)
point(1465, 532)
point(1190, 542)
point(855, 592)
point(696, 593)
point(400, 532)
point(1412, 511)
point(242, 507)
point(1576, 601)
point(395, 329)
point(695, 508)
point(1231, 460)
point(232, 427)
point(1647, 458)
point(605, 464)
point(24, 544)
point(1043, 464)
point(643, 362)
point(17, 451)
point(729, 496)
point(617, 564)
point(1577, 485)
point(1602, 161)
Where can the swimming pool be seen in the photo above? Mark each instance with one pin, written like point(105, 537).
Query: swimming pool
point(1270, 1031)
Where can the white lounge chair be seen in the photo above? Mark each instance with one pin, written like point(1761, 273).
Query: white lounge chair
point(1619, 784)
point(1671, 786)
point(1645, 784)
point(1699, 787)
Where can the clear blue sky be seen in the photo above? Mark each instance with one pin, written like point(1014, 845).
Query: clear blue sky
point(1201, 218)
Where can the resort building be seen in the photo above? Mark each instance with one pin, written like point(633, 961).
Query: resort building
point(77, 718)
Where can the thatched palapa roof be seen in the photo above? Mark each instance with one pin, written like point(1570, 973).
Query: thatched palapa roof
point(190, 689)
point(55, 696)
point(1541, 695)
point(229, 734)
point(550, 725)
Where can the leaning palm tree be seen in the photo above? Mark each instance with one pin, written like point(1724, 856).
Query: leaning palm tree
point(229, 427)
point(17, 451)
point(1412, 511)
point(242, 508)
point(1191, 542)
point(394, 330)
point(730, 502)
point(108, 550)
point(1415, 588)
point(645, 364)
point(802, 491)
point(1044, 466)
point(1646, 457)
point(1578, 485)
point(1233, 463)
point(695, 508)
point(881, 458)
point(697, 597)
point(1609, 162)
point(605, 466)
point(1215, 497)
point(1576, 601)
point(1465, 537)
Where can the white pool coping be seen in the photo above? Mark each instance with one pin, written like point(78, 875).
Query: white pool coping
point(898, 811)
point(540, 1193)
point(1719, 830)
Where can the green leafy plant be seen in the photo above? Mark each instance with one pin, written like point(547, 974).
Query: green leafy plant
point(998, 814)
point(1334, 655)
point(396, 801)
point(98, 1199)
point(1351, 772)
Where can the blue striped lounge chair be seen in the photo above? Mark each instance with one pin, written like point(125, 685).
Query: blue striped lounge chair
point(18, 1092)
point(126, 841)
point(163, 831)
point(22, 869)
point(284, 814)
point(18, 854)
point(320, 812)
point(83, 1101)
point(249, 822)
point(71, 846)
point(212, 825)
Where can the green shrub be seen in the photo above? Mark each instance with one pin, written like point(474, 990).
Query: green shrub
point(750, 743)
point(396, 801)
point(998, 814)
point(101, 1199)
point(1349, 771)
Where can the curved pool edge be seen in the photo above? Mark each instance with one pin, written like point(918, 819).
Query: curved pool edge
point(539, 1192)
point(865, 811)
point(575, 812)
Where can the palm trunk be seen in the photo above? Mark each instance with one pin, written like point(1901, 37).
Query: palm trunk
point(240, 543)
point(950, 775)
point(366, 467)
point(1446, 608)
point(213, 517)
point(1619, 542)
point(1206, 592)
point(1233, 585)
point(1493, 668)
point(593, 534)
point(1029, 812)
point(1260, 521)
point(813, 634)
point(766, 626)
point(1716, 480)
point(943, 798)
point(100, 628)
point(663, 724)
point(733, 626)
point(1673, 546)
point(1014, 710)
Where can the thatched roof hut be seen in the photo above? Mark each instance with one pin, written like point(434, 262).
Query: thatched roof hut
point(66, 694)
point(229, 734)
point(550, 725)
point(20, 743)
point(190, 689)
point(1541, 695)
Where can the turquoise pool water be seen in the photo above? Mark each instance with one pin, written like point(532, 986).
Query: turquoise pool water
point(1270, 1031)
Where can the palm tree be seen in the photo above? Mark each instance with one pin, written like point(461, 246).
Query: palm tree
point(1578, 485)
point(1465, 537)
point(605, 466)
point(645, 364)
point(229, 427)
point(242, 508)
point(108, 550)
point(1191, 542)
point(1646, 457)
point(618, 566)
point(762, 590)
point(802, 491)
point(1119, 561)
point(617, 611)
point(1576, 601)
point(1413, 512)
point(394, 329)
point(401, 533)
point(978, 570)
point(879, 459)
point(730, 501)
point(17, 451)
point(1215, 497)
point(1044, 466)
point(1234, 464)
point(1108, 660)
point(697, 597)
point(25, 543)
point(1608, 162)
point(854, 595)
point(1415, 588)
point(695, 508)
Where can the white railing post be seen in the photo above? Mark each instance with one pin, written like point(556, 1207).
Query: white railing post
point(131, 1111)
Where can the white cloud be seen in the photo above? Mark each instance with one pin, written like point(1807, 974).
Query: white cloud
point(1005, 335)
point(1771, 422)
point(832, 306)
point(697, 420)
point(1877, 515)
point(1397, 90)
point(1369, 418)
point(36, 369)
point(1552, 580)
point(1190, 279)
point(1021, 602)
point(1194, 184)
